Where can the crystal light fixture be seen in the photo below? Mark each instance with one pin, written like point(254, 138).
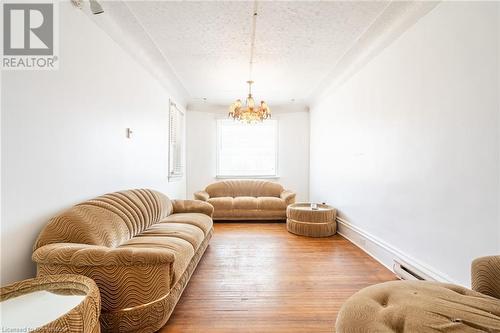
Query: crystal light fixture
point(250, 113)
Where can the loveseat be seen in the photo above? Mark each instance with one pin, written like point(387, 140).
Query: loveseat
point(138, 246)
point(427, 307)
point(247, 200)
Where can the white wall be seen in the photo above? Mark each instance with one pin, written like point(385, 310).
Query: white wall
point(498, 105)
point(63, 135)
point(408, 148)
point(293, 151)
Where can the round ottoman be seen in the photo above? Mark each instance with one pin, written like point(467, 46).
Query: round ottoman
point(419, 306)
point(51, 303)
point(305, 221)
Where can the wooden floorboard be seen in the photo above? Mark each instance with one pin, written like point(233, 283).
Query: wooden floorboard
point(257, 277)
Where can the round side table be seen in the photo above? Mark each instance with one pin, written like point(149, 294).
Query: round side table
point(51, 303)
point(305, 221)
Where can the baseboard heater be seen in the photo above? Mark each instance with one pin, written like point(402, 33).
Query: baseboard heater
point(406, 271)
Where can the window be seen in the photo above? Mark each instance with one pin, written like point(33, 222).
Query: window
point(247, 150)
point(175, 143)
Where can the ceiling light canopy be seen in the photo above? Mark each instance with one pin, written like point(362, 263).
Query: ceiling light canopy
point(250, 112)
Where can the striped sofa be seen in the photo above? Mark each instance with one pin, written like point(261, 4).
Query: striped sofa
point(250, 200)
point(138, 246)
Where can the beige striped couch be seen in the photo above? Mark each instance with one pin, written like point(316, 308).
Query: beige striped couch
point(138, 246)
point(249, 200)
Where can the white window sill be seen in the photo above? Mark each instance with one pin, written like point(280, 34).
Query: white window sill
point(247, 177)
point(176, 178)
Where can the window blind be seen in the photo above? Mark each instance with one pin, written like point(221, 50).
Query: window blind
point(176, 142)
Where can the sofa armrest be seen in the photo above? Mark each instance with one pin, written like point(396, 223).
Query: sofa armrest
point(126, 277)
point(485, 273)
point(201, 195)
point(96, 256)
point(288, 196)
point(193, 206)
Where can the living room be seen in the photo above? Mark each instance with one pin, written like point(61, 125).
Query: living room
point(145, 189)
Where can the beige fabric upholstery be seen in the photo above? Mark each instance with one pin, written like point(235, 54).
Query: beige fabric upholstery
point(126, 214)
point(241, 188)
point(182, 249)
point(247, 200)
point(426, 307)
point(270, 203)
point(221, 204)
point(288, 196)
point(486, 275)
point(192, 206)
point(201, 221)
point(188, 232)
point(134, 245)
point(144, 318)
point(201, 195)
point(83, 318)
point(304, 221)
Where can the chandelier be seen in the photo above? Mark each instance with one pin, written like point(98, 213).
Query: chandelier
point(250, 113)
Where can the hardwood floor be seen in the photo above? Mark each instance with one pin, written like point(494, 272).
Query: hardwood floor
point(257, 277)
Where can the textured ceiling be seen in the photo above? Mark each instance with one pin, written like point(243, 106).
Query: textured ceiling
point(298, 44)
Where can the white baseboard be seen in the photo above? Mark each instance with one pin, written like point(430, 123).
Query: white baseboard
point(383, 252)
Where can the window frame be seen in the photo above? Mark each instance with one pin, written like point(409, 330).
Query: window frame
point(218, 175)
point(172, 175)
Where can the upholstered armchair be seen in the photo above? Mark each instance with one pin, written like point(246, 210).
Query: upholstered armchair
point(427, 307)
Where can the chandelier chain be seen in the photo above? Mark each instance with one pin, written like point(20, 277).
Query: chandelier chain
point(250, 112)
point(252, 42)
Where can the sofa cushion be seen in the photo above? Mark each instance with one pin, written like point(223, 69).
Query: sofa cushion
point(418, 306)
point(222, 203)
point(250, 215)
point(245, 203)
point(188, 232)
point(126, 214)
point(239, 188)
point(182, 249)
point(485, 273)
point(138, 208)
point(202, 221)
point(80, 224)
point(271, 203)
